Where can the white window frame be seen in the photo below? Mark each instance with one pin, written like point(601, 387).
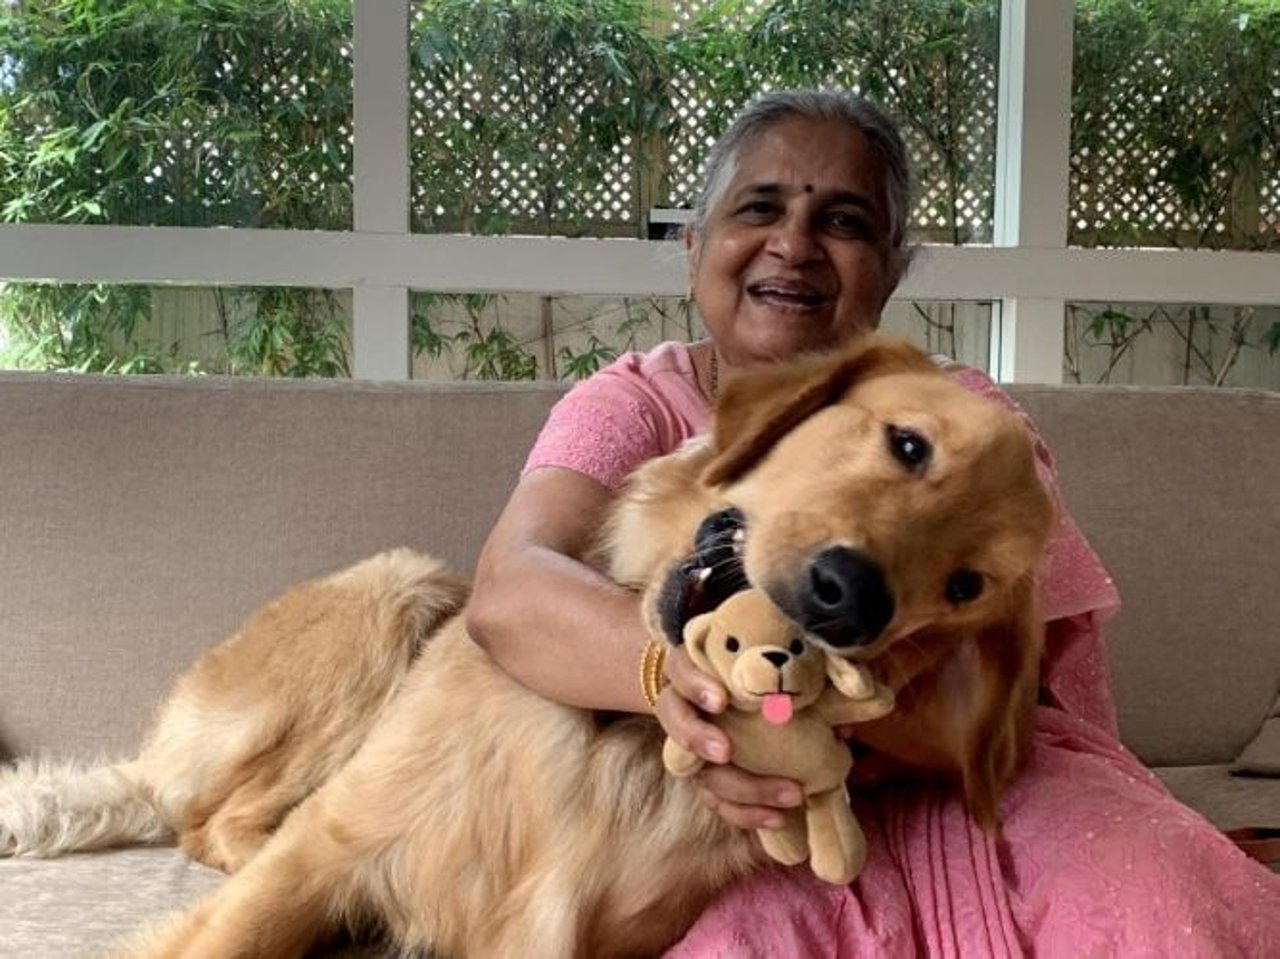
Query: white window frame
point(1029, 269)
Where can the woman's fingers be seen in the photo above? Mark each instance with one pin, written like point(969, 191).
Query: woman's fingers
point(741, 798)
point(679, 716)
point(693, 684)
point(746, 800)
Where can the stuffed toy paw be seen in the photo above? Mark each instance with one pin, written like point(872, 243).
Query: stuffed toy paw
point(786, 694)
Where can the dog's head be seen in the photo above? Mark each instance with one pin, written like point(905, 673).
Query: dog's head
point(878, 496)
point(899, 518)
point(762, 657)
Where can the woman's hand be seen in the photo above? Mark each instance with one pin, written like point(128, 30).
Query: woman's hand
point(741, 798)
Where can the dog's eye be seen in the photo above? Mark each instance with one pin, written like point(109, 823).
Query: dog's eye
point(732, 644)
point(796, 647)
point(908, 447)
point(963, 586)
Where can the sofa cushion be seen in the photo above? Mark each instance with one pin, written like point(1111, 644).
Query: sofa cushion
point(1176, 490)
point(1261, 757)
point(1227, 801)
point(79, 906)
point(143, 519)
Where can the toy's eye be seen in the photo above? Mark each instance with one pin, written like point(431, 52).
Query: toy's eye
point(964, 586)
point(908, 447)
point(797, 647)
point(732, 644)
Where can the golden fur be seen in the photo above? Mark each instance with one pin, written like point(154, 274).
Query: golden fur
point(356, 759)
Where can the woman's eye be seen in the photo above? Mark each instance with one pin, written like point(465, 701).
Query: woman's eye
point(963, 586)
point(756, 210)
point(850, 224)
point(908, 447)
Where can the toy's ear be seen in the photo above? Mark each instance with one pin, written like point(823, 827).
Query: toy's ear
point(851, 679)
point(757, 409)
point(696, 633)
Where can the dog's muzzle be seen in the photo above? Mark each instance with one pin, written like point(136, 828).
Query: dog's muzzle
point(843, 598)
point(711, 574)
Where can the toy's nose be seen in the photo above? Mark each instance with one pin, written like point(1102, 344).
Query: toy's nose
point(777, 657)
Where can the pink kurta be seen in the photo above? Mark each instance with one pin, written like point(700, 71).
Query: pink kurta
point(1095, 858)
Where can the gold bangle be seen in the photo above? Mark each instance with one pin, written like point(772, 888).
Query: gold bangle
point(652, 678)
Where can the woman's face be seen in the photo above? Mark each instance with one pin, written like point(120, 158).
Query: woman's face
point(795, 255)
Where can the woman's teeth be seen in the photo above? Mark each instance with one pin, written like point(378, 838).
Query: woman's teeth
point(785, 295)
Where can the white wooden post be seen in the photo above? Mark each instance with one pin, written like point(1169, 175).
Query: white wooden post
point(1032, 151)
point(380, 321)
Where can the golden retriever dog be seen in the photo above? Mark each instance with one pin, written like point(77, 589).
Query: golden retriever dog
point(355, 760)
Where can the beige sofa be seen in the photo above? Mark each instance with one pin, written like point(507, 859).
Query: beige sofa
point(142, 519)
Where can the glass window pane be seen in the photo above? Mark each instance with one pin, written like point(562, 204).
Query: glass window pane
point(1175, 125)
point(189, 114)
point(579, 119)
point(1172, 344)
point(933, 66)
point(526, 336)
point(535, 118)
point(513, 336)
point(250, 331)
point(959, 329)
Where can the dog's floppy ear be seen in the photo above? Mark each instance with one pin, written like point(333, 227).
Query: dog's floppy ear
point(997, 734)
point(978, 702)
point(757, 409)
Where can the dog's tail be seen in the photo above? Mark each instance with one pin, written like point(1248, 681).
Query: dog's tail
point(47, 809)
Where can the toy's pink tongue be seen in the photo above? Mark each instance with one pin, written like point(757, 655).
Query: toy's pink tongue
point(776, 708)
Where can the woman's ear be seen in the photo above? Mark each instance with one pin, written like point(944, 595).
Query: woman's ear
point(692, 254)
point(757, 409)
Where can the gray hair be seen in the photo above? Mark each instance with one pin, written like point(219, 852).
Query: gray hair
point(768, 109)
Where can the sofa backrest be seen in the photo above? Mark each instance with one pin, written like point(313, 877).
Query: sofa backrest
point(1176, 488)
point(142, 519)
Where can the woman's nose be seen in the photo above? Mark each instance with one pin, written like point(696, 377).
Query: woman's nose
point(792, 240)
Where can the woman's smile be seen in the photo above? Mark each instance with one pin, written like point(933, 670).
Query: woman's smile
point(790, 296)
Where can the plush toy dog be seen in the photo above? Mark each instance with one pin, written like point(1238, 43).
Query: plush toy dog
point(786, 694)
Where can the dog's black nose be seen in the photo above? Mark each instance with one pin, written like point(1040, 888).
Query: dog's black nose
point(777, 657)
point(846, 600)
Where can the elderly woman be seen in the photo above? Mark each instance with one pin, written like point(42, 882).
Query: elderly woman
point(798, 241)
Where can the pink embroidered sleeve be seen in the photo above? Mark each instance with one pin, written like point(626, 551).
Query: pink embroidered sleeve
point(638, 407)
point(597, 431)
